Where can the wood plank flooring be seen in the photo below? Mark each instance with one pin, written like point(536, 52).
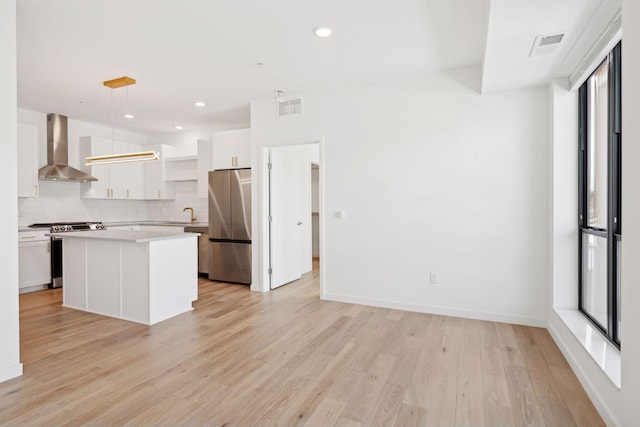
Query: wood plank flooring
point(286, 358)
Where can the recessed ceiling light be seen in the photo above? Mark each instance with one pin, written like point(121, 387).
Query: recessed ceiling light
point(322, 31)
point(199, 104)
point(129, 116)
point(178, 127)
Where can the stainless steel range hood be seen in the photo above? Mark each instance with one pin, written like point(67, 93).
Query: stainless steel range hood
point(58, 168)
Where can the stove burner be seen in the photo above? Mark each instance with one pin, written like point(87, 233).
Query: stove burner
point(58, 227)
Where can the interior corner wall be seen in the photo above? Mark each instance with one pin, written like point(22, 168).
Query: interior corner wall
point(434, 178)
point(9, 321)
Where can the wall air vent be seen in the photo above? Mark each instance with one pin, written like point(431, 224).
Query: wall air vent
point(289, 106)
point(546, 44)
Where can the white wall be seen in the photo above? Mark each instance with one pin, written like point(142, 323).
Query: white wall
point(60, 201)
point(630, 414)
point(9, 334)
point(434, 178)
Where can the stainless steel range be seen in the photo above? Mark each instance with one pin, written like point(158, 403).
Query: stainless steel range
point(56, 244)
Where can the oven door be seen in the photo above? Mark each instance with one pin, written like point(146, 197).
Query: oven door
point(56, 262)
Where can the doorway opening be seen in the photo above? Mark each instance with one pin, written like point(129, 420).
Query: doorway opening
point(294, 188)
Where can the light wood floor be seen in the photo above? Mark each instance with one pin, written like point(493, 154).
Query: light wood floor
point(286, 358)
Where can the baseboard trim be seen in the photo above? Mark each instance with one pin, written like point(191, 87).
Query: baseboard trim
point(443, 311)
point(10, 372)
point(578, 370)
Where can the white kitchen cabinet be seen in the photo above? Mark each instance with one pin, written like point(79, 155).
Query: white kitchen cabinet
point(28, 161)
point(156, 186)
point(116, 180)
point(231, 149)
point(127, 179)
point(204, 166)
point(34, 258)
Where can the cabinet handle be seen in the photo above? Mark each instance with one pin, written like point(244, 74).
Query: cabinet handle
point(111, 190)
point(107, 192)
point(36, 190)
point(49, 247)
point(158, 194)
point(28, 237)
point(127, 194)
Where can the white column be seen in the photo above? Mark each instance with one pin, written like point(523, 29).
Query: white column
point(630, 212)
point(10, 365)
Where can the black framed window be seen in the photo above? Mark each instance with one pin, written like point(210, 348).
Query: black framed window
point(600, 225)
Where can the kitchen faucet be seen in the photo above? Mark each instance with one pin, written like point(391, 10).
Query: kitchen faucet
point(193, 217)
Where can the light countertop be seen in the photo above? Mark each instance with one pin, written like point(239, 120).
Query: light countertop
point(164, 223)
point(177, 224)
point(134, 236)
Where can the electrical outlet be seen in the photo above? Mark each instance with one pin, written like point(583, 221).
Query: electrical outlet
point(433, 278)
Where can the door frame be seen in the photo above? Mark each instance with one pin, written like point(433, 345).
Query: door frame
point(264, 247)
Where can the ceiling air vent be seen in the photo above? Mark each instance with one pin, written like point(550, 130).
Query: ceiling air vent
point(546, 44)
point(289, 106)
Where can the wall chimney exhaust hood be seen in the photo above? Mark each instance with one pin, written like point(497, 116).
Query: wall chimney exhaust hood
point(57, 168)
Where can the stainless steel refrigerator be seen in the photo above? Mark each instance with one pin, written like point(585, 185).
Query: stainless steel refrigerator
point(230, 225)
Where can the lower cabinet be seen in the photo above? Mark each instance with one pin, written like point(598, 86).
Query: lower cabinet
point(34, 259)
point(203, 255)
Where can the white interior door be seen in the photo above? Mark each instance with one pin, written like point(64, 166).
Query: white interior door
point(285, 208)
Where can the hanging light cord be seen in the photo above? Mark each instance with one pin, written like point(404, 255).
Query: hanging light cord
point(111, 99)
point(128, 111)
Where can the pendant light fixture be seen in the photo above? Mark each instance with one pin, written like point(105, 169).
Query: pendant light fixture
point(124, 157)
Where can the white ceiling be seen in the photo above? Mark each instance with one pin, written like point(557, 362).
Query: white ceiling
point(180, 52)
point(514, 24)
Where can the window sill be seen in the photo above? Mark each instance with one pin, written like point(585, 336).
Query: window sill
point(599, 348)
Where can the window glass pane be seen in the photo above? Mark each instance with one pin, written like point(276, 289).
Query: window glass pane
point(597, 137)
point(594, 277)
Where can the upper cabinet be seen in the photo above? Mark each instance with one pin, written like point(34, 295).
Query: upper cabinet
point(116, 180)
point(204, 166)
point(231, 149)
point(28, 161)
point(156, 185)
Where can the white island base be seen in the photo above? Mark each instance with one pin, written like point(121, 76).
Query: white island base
point(141, 276)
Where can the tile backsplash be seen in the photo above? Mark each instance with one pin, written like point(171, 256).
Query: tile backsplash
point(60, 202)
point(172, 210)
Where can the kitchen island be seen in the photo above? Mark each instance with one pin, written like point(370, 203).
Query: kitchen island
point(141, 276)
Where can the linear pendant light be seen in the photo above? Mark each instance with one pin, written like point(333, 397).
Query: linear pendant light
point(124, 157)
